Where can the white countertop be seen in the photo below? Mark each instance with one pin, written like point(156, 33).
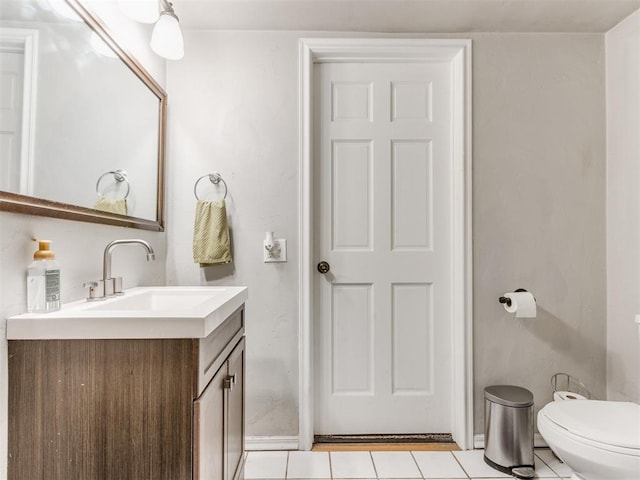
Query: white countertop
point(143, 312)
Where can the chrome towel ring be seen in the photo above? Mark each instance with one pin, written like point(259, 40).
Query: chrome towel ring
point(119, 175)
point(214, 178)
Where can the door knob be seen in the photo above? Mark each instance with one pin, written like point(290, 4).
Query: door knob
point(324, 267)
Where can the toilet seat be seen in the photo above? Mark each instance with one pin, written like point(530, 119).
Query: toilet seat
point(613, 426)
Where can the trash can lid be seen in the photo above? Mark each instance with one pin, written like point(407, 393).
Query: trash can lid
point(509, 395)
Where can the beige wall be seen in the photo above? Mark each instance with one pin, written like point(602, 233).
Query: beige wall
point(623, 209)
point(539, 211)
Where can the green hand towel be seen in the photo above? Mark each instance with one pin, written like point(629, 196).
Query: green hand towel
point(211, 244)
point(110, 205)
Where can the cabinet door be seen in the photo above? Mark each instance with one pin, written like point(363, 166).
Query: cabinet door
point(235, 412)
point(209, 429)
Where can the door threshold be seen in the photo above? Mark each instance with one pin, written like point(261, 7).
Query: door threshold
point(392, 442)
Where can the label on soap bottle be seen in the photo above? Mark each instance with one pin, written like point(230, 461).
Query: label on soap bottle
point(52, 285)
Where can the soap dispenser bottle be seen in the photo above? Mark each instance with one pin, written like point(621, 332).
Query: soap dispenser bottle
point(43, 280)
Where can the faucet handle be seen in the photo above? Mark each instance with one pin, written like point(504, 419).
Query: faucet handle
point(93, 291)
point(117, 286)
point(109, 290)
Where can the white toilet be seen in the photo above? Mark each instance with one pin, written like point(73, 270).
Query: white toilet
point(597, 440)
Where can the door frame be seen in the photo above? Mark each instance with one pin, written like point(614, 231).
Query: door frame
point(458, 53)
point(25, 41)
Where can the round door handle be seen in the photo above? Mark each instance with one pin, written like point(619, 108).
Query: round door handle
point(324, 267)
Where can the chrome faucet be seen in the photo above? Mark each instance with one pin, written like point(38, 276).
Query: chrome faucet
point(113, 285)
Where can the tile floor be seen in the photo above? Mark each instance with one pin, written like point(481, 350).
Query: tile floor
point(387, 465)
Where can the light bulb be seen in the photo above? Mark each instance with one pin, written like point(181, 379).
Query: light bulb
point(143, 11)
point(166, 39)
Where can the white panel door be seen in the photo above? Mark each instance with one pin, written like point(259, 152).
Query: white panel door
point(383, 199)
point(11, 83)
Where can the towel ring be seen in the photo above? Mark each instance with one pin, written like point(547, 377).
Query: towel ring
point(119, 175)
point(214, 178)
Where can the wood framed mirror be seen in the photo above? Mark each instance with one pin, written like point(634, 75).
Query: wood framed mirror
point(89, 127)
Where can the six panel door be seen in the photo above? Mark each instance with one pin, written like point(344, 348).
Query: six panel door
point(383, 199)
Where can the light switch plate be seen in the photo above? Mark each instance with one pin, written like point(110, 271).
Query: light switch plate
point(277, 254)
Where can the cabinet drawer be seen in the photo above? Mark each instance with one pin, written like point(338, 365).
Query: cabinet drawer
point(213, 350)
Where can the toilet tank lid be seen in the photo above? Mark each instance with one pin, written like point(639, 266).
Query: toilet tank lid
point(509, 395)
point(610, 423)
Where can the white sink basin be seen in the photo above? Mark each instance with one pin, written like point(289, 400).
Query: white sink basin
point(158, 300)
point(144, 312)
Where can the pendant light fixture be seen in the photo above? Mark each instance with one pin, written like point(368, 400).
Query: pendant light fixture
point(166, 38)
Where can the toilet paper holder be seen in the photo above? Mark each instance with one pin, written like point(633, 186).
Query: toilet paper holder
point(508, 300)
point(563, 383)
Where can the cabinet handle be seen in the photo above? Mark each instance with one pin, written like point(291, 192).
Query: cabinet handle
point(229, 382)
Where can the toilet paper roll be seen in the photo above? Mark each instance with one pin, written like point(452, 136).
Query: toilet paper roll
point(561, 395)
point(522, 304)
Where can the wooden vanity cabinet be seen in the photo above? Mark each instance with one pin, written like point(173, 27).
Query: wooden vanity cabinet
point(157, 409)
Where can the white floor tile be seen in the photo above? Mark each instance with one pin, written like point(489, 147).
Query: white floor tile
point(543, 471)
point(296, 465)
point(395, 465)
point(265, 465)
point(473, 463)
point(553, 462)
point(308, 465)
point(352, 465)
point(438, 465)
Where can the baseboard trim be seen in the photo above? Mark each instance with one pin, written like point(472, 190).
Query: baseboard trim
point(271, 443)
point(538, 441)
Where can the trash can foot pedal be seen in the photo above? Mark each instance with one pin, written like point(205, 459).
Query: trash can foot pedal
point(520, 472)
point(523, 472)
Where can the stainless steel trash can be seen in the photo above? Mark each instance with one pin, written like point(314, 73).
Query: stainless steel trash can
point(508, 430)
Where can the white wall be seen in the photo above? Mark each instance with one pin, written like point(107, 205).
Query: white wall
point(623, 209)
point(539, 153)
point(78, 247)
point(234, 111)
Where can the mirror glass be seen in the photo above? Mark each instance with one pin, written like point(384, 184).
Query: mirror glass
point(82, 123)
